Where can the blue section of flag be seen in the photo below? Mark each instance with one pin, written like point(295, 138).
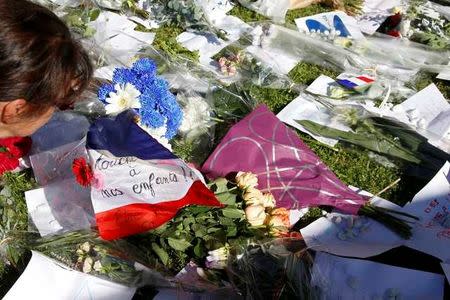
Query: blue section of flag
point(346, 83)
point(339, 25)
point(123, 137)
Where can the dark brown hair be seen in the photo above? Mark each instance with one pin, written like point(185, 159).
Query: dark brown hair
point(40, 61)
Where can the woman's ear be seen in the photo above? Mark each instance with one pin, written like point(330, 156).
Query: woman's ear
point(11, 111)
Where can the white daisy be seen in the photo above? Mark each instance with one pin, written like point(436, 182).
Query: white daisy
point(124, 98)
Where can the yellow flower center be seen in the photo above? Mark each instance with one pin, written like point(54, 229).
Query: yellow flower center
point(122, 102)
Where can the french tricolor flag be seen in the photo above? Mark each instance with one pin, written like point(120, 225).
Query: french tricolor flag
point(139, 184)
point(357, 83)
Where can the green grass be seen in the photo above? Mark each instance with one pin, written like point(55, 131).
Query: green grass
point(423, 79)
point(305, 12)
point(246, 14)
point(166, 41)
point(306, 73)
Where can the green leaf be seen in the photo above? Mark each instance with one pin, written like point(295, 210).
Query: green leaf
point(213, 229)
point(94, 14)
point(198, 250)
point(178, 244)
point(195, 210)
point(226, 221)
point(162, 254)
point(188, 221)
point(227, 198)
point(233, 213)
point(220, 185)
point(232, 231)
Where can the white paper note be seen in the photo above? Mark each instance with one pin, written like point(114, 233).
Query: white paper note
point(426, 104)
point(62, 205)
point(432, 205)
point(45, 279)
point(374, 13)
point(353, 236)
point(327, 20)
point(41, 213)
point(354, 279)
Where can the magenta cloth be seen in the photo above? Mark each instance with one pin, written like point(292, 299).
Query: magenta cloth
point(285, 166)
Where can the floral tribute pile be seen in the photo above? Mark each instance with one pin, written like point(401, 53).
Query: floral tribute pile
point(182, 172)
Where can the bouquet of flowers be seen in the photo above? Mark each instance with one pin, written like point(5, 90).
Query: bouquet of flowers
point(139, 88)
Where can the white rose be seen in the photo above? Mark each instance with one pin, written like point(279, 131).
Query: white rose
point(268, 200)
point(246, 180)
point(255, 214)
point(253, 196)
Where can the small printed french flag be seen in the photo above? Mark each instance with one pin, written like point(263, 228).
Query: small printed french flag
point(357, 83)
point(139, 184)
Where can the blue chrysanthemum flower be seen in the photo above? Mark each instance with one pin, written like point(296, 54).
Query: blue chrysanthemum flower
point(104, 90)
point(123, 75)
point(145, 66)
point(173, 123)
point(151, 118)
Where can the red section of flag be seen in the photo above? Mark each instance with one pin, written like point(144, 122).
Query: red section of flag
point(140, 217)
point(365, 79)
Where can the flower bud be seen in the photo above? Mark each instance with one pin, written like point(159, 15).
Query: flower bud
point(85, 247)
point(87, 266)
point(98, 266)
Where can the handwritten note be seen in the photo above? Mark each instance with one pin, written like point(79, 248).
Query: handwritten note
point(56, 164)
point(353, 236)
point(46, 279)
point(122, 180)
point(62, 205)
point(41, 213)
point(374, 13)
point(432, 205)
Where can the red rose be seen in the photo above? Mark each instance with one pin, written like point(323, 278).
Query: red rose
point(11, 150)
point(83, 171)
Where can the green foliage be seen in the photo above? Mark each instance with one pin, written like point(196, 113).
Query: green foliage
point(423, 79)
point(78, 18)
point(13, 219)
point(197, 230)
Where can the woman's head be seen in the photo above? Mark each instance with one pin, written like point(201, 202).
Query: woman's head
point(41, 67)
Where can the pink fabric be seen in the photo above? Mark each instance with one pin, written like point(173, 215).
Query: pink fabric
point(285, 166)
